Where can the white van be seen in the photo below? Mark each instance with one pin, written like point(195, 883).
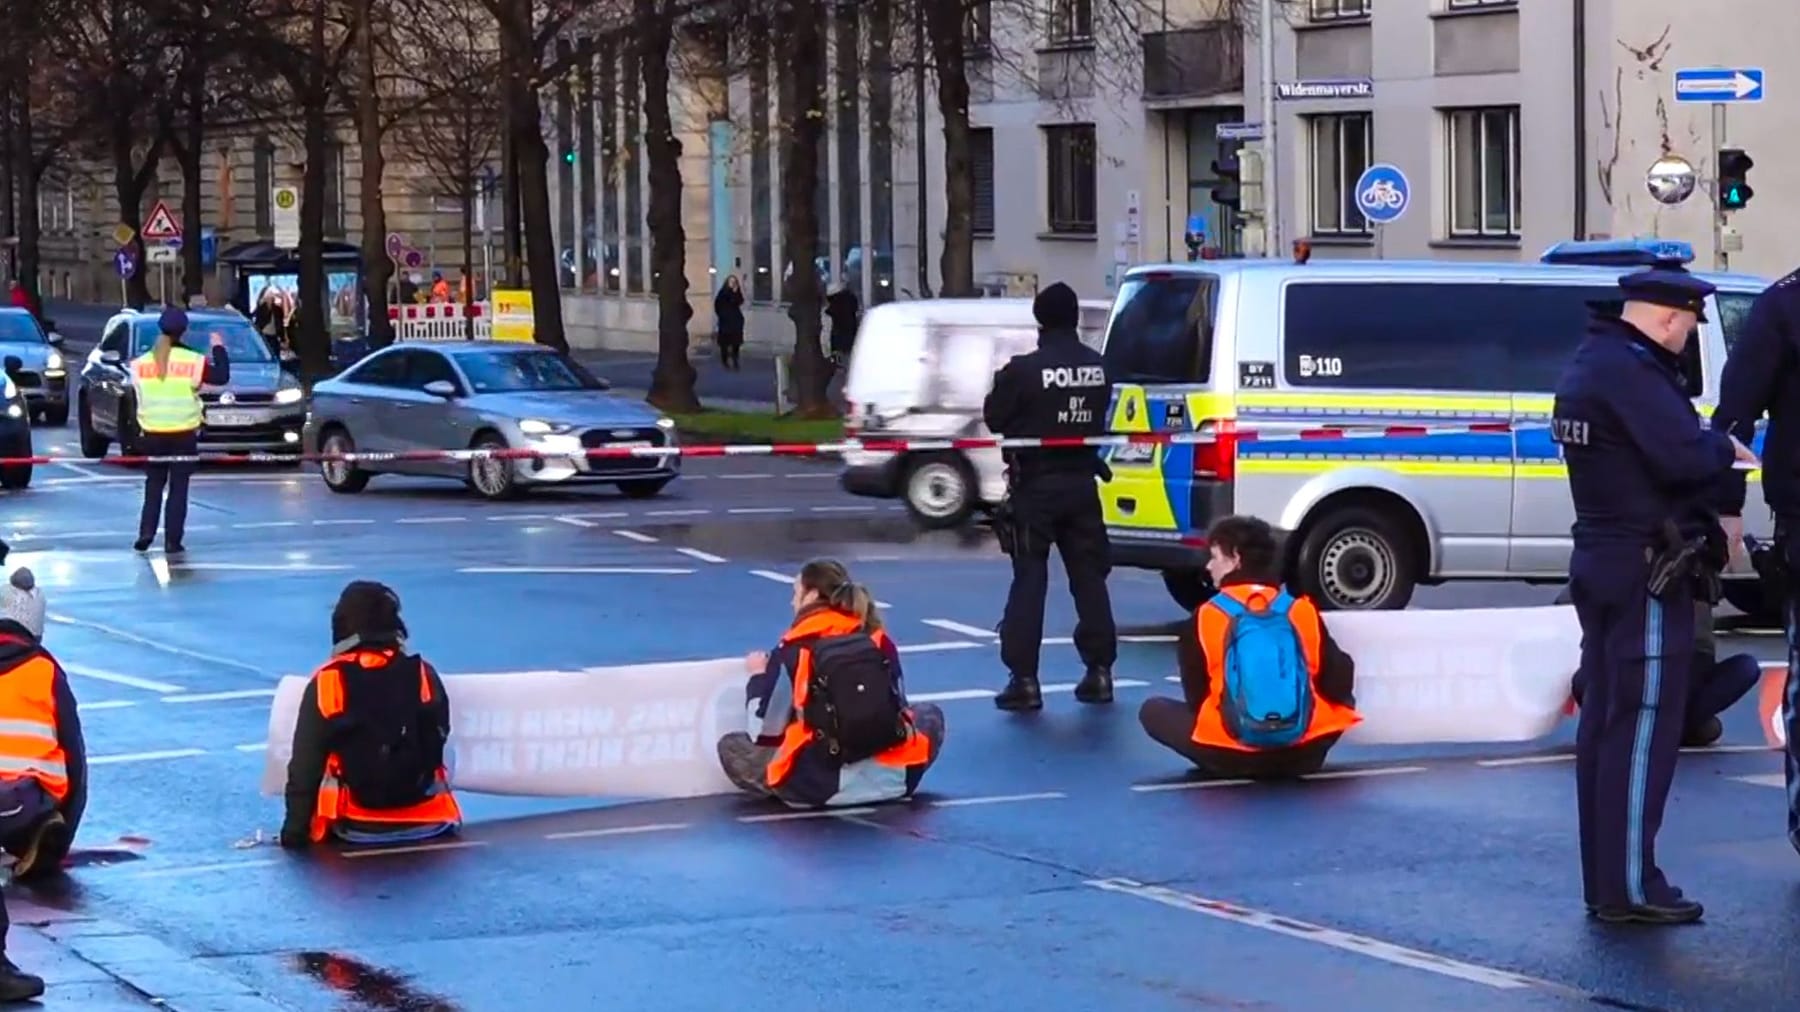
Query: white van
point(921, 370)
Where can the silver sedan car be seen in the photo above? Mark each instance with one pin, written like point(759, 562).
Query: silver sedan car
point(415, 397)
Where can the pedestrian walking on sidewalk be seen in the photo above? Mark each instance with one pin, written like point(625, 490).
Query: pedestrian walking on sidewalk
point(728, 318)
point(165, 386)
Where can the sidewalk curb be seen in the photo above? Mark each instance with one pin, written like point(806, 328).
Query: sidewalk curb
point(155, 973)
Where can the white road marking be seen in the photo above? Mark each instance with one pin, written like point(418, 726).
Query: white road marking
point(342, 523)
point(423, 848)
point(601, 516)
point(1188, 785)
point(958, 627)
point(576, 522)
point(265, 523)
point(677, 513)
point(141, 757)
point(159, 568)
point(1728, 749)
point(212, 697)
point(255, 746)
point(131, 637)
point(108, 704)
point(257, 567)
point(642, 539)
point(520, 516)
point(1159, 638)
point(578, 570)
point(932, 648)
point(118, 679)
point(1343, 941)
point(826, 813)
point(1523, 760)
point(432, 520)
point(653, 827)
point(998, 799)
point(1377, 771)
point(748, 510)
point(1764, 780)
point(772, 576)
point(951, 696)
point(85, 473)
point(844, 509)
point(205, 869)
point(1118, 683)
point(735, 477)
point(695, 553)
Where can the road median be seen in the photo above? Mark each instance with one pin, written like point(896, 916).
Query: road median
point(734, 427)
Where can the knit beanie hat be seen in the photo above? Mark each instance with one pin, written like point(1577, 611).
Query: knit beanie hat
point(23, 602)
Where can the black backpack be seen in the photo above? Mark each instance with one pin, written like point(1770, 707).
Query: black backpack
point(388, 741)
point(853, 704)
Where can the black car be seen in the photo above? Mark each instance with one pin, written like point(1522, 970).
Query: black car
point(262, 409)
point(15, 434)
point(34, 360)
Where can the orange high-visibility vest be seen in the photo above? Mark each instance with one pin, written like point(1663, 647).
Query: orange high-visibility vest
point(335, 803)
point(28, 744)
point(1213, 624)
point(831, 622)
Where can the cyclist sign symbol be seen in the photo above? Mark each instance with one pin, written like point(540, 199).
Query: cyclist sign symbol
point(1382, 194)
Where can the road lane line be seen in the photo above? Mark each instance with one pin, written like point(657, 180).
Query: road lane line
point(951, 696)
point(142, 757)
point(932, 648)
point(579, 570)
point(85, 473)
point(1728, 749)
point(210, 697)
point(653, 827)
point(1362, 945)
point(520, 516)
point(695, 553)
point(1188, 785)
point(601, 516)
point(1118, 683)
point(432, 520)
point(576, 522)
point(114, 677)
point(772, 576)
point(1524, 760)
point(423, 848)
point(642, 539)
point(958, 627)
point(255, 746)
point(261, 524)
point(825, 813)
point(205, 869)
point(735, 477)
point(1158, 638)
point(108, 704)
point(844, 509)
point(998, 799)
point(256, 567)
point(1376, 771)
point(748, 510)
point(1764, 780)
point(342, 523)
point(677, 513)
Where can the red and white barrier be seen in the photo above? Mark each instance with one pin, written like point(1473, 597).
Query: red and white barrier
point(851, 445)
point(440, 321)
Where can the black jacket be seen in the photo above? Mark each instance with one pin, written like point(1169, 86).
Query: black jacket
point(1337, 671)
point(844, 311)
point(1762, 376)
point(1058, 390)
point(313, 745)
point(728, 312)
point(17, 646)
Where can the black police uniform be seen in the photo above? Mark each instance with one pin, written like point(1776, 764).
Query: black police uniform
point(1638, 458)
point(1058, 390)
point(1762, 376)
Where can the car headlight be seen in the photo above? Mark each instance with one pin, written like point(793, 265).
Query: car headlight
point(666, 424)
point(10, 390)
point(289, 395)
point(53, 363)
point(536, 427)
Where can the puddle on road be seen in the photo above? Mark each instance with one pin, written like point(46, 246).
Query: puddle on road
point(369, 987)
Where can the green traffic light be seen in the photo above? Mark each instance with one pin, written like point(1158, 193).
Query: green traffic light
point(569, 157)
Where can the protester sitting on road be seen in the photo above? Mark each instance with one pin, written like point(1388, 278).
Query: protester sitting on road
point(828, 707)
point(1268, 690)
point(43, 757)
point(1714, 686)
point(368, 758)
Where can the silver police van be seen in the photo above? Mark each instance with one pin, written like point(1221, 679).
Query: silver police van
point(1228, 348)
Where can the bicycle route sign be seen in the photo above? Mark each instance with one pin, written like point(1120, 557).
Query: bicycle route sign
point(1382, 194)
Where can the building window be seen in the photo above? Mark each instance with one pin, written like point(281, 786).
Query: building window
point(1484, 172)
point(1337, 10)
point(981, 167)
point(1072, 21)
point(262, 172)
point(1459, 5)
point(1070, 154)
point(1341, 149)
point(978, 28)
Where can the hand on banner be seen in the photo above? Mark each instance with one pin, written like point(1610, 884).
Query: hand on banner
point(1734, 539)
point(1745, 455)
point(756, 662)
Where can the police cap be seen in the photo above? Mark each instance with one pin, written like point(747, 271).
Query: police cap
point(173, 322)
point(1670, 287)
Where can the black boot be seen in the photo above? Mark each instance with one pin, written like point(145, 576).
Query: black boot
point(1020, 694)
point(16, 984)
point(1096, 686)
point(1677, 911)
point(1703, 734)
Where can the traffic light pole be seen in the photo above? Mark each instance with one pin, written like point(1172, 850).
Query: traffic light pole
point(1720, 261)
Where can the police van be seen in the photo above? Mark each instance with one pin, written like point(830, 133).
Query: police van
point(1276, 347)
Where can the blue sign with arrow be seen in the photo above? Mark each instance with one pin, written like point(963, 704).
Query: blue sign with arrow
point(1382, 194)
point(126, 263)
point(1719, 84)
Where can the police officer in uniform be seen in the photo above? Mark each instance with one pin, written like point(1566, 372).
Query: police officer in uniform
point(165, 385)
point(1762, 376)
point(1058, 390)
point(1639, 460)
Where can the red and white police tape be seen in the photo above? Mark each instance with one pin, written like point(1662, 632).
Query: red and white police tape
point(848, 445)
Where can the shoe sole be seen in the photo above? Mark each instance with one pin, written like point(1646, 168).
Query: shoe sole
point(1610, 917)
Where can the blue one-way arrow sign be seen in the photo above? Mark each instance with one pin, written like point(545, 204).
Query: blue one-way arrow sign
point(1719, 84)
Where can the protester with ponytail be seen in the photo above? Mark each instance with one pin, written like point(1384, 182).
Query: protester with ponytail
point(829, 721)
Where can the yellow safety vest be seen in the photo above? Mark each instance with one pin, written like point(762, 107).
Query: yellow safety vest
point(169, 402)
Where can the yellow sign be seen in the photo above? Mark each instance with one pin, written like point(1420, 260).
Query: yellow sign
point(513, 317)
point(123, 234)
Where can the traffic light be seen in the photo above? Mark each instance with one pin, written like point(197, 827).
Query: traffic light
point(1228, 192)
point(1734, 182)
point(569, 155)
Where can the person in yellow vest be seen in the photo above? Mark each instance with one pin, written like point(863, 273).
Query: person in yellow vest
point(43, 758)
point(368, 763)
point(1269, 692)
point(165, 385)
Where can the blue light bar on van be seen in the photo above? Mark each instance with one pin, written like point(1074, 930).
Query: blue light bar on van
point(1620, 253)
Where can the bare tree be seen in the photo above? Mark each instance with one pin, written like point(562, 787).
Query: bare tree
point(800, 33)
point(672, 382)
point(40, 118)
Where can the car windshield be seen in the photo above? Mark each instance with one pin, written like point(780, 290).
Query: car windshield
point(500, 371)
point(20, 328)
point(242, 342)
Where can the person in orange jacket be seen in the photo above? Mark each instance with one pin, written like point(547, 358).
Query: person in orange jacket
point(368, 761)
point(1254, 647)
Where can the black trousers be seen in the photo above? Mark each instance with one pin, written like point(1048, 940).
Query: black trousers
point(731, 350)
point(174, 477)
point(1060, 511)
point(1787, 543)
point(1170, 722)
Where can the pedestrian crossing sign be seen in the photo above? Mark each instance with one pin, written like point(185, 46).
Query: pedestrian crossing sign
point(161, 224)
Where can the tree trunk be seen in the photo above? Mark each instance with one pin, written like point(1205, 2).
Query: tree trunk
point(511, 70)
point(956, 265)
point(313, 333)
point(25, 165)
point(534, 218)
point(377, 267)
point(672, 382)
point(469, 195)
point(7, 170)
point(192, 157)
point(804, 59)
point(129, 184)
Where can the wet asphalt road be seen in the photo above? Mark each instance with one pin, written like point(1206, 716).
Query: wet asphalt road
point(1060, 858)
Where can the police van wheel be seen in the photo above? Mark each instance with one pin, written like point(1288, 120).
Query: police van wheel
point(1357, 559)
point(939, 491)
point(1190, 588)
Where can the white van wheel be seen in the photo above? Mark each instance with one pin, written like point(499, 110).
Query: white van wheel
point(939, 491)
point(1357, 559)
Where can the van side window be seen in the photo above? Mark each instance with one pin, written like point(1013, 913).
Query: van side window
point(1543, 324)
point(1734, 312)
point(1162, 329)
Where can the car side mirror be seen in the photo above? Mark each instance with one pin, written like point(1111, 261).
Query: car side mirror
point(56, 339)
point(441, 388)
point(605, 384)
point(13, 364)
point(111, 357)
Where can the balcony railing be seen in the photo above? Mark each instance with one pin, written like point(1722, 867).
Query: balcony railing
point(1194, 62)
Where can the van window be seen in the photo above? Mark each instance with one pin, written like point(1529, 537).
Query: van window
point(1734, 312)
point(1162, 329)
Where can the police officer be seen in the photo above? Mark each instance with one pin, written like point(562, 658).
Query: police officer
point(1762, 376)
point(1638, 460)
point(165, 385)
point(1058, 390)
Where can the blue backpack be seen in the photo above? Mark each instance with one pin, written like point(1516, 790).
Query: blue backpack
point(1267, 698)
